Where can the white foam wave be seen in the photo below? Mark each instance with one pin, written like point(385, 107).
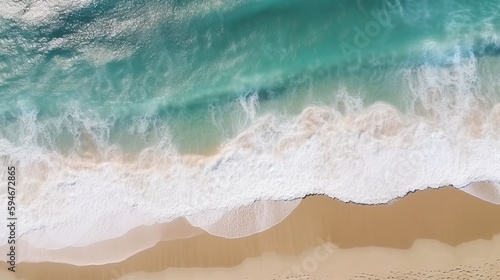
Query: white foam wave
point(450, 136)
point(370, 157)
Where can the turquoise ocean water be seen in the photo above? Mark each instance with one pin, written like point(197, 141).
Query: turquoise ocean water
point(115, 104)
point(117, 69)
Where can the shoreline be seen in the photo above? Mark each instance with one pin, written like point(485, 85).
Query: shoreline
point(295, 159)
point(445, 217)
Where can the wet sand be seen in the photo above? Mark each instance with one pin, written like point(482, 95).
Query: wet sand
point(429, 232)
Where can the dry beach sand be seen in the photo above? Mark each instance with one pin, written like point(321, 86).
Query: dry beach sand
point(432, 234)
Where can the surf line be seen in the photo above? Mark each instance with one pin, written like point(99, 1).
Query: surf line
point(11, 217)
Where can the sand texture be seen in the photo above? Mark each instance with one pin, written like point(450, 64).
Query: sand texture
point(431, 234)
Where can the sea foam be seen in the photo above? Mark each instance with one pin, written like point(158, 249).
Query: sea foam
point(373, 154)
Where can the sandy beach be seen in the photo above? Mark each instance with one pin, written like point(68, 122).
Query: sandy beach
point(250, 140)
point(427, 234)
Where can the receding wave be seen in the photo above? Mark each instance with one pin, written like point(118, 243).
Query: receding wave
point(488, 191)
point(244, 221)
point(108, 251)
point(361, 154)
